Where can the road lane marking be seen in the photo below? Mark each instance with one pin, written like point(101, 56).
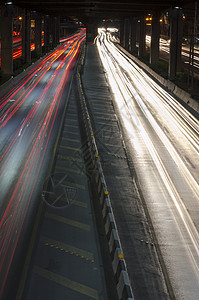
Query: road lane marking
point(75, 202)
point(68, 221)
point(69, 170)
point(71, 140)
point(29, 253)
point(39, 212)
point(68, 283)
point(71, 132)
point(69, 148)
point(67, 248)
point(66, 157)
point(69, 125)
point(71, 184)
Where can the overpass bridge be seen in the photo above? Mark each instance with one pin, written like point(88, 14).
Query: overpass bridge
point(131, 16)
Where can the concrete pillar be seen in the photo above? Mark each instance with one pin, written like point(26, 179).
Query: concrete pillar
point(122, 33)
point(26, 31)
point(126, 34)
point(51, 32)
point(54, 32)
point(176, 31)
point(0, 19)
point(38, 34)
point(133, 25)
point(58, 30)
point(46, 32)
point(142, 37)
point(91, 31)
point(155, 38)
point(7, 39)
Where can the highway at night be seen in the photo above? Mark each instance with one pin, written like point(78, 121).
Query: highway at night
point(29, 122)
point(162, 139)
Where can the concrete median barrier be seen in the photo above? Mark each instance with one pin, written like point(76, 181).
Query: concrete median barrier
point(124, 289)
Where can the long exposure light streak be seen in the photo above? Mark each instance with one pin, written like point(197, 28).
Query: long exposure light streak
point(17, 51)
point(30, 115)
point(163, 139)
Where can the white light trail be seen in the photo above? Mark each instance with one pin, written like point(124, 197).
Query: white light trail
point(156, 121)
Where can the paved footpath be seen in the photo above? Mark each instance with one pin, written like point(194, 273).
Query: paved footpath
point(137, 242)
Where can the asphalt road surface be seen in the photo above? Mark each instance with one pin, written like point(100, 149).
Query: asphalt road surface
point(163, 141)
point(29, 121)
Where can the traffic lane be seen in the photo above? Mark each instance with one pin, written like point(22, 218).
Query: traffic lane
point(13, 212)
point(22, 93)
point(19, 134)
point(27, 85)
point(166, 121)
point(153, 174)
point(31, 177)
point(161, 147)
point(169, 117)
point(20, 193)
point(23, 113)
point(26, 95)
point(172, 121)
point(177, 235)
point(66, 253)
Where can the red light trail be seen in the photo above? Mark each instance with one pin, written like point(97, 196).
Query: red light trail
point(30, 114)
point(17, 52)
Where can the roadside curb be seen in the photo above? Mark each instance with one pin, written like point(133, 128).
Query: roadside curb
point(124, 289)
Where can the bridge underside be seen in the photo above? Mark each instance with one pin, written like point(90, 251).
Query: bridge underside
point(100, 9)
